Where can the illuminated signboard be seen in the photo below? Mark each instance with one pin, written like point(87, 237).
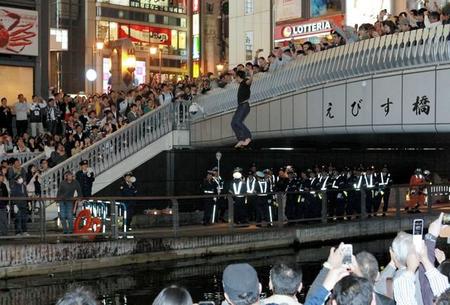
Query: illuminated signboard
point(195, 6)
point(307, 28)
point(195, 24)
point(146, 34)
point(196, 47)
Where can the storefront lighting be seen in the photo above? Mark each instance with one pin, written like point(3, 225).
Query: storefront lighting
point(153, 50)
point(219, 68)
point(91, 75)
point(99, 45)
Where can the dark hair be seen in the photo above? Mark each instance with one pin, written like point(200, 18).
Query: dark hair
point(444, 298)
point(391, 26)
point(414, 12)
point(78, 296)
point(353, 290)
point(444, 268)
point(422, 11)
point(368, 265)
point(241, 74)
point(435, 15)
point(249, 64)
point(285, 279)
point(403, 14)
point(173, 295)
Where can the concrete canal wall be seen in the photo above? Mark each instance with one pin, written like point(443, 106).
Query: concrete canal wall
point(45, 258)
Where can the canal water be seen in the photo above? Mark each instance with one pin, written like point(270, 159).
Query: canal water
point(138, 285)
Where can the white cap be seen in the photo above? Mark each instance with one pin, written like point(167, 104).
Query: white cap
point(237, 175)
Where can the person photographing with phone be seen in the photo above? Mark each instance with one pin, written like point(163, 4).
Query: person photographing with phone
point(237, 123)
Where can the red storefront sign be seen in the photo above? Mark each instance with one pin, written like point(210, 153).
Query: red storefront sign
point(145, 34)
point(307, 28)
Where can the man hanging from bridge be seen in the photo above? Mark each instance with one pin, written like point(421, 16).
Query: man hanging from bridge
point(243, 109)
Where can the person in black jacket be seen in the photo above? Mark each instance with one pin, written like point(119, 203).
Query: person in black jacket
point(128, 189)
point(21, 207)
point(85, 177)
point(6, 117)
point(3, 206)
point(37, 115)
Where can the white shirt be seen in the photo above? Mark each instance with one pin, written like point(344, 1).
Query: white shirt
point(280, 299)
point(22, 111)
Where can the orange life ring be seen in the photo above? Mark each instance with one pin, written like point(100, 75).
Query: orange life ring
point(97, 222)
point(84, 214)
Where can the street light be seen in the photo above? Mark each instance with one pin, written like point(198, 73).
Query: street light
point(131, 63)
point(153, 51)
point(219, 68)
point(91, 75)
point(99, 45)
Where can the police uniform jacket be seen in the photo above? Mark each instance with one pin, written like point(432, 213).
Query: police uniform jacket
point(85, 180)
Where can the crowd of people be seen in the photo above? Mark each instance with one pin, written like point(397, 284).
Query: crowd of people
point(416, 274)
point(385, 24)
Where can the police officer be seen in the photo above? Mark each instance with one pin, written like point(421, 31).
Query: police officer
point(209, 204)
point(384, 188)
point(354, 195)
point(85, 177)
point(292, 196)
point(221, 202)
point(128, 189)
point(250, 184)
point(370, 187)
point(262, 199)
point(339, 185)
point(239, 191)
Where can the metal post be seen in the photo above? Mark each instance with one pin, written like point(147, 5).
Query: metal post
point(429, 200)
point(324, 207)
point(42, 215)
point(230, 211)
point(397, 203)
point(175, 216)
point(281, 203)
point(160, 65)
point(363, 204)
point(114, 222)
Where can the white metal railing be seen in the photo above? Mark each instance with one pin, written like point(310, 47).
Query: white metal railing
point(401, 50)
point(36, 160)
point(22, 156)
point(118, 146)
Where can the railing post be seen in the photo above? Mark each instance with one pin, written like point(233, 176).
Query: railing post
point(429, 199)
point(281, 204)
point(363, 204)
point(230, 211)
point(175, 216)
point(114, 220)
point(397, 203)
point(43, 222)
point(324, 207)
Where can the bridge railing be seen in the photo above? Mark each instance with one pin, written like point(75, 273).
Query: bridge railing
point(172, 215)
point(123, 143)
point(386, 53)
point(22, 156)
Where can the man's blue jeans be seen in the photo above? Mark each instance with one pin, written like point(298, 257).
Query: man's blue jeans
point(66, 215)
point(237, 123)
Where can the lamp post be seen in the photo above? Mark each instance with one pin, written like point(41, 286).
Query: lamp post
point(98, 46)
point(219, 68)
point(131, 65)
point(153, 52)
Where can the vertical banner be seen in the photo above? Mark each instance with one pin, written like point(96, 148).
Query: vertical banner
point(19, 31)
point(387, 104)
point(359, 106)
point(334, 109)
point(419, 101)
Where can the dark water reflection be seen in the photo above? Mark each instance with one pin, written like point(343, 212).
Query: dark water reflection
point(139, 285)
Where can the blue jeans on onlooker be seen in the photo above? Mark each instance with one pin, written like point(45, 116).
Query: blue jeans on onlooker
point(66, 216)
point(237, 122)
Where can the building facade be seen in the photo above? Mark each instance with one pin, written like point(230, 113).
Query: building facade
point(160, 33)
point(23, 48)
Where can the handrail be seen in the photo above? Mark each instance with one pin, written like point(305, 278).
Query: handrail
point(22, 156)
point(367, 57)
point(35, 160)
point(118, 146)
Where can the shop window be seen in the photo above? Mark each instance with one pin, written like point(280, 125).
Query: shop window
point(102, 32)
point(325, 7)
point(182, 40)
point(248, 7)
point(248, 45)
point(113, 29)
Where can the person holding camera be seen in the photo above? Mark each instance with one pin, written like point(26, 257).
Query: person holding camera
point(85, 177)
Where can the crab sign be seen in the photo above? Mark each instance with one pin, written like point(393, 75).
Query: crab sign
point(16, 36)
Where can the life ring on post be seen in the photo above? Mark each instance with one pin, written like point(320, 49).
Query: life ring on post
point(78, 226)
point(96, 227)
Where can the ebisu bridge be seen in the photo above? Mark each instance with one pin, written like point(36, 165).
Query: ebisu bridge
point(382, 100)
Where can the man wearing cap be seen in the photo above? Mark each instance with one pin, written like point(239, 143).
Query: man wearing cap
point(241, 285)
point(209, 188)
point(68, 189)
point(292, 197)
point(21, 207)
point(128, 189)
point(85, 177)
point(263, 212)
point(239, 190)
point(3, 206)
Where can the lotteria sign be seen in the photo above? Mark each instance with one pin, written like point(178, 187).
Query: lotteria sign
point(307, 28)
